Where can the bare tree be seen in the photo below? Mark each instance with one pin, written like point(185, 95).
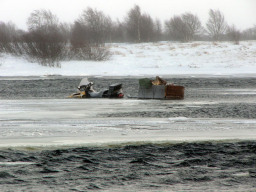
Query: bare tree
point(193, 25)
point(147, 29)
point(10, 39)
point(233, 34)
point(98, 25)
point(5, 37)
point(158, 30)
point(42, 20)
point(89, 34)
point(45, 42)
point(177, 29)
point(65, 29)
point(141, 27)
point(80, 41)
point(118, 33)
point(249, 34)
point(216, 24)
point(133, 24)
point(184, 27)
point(78, 38)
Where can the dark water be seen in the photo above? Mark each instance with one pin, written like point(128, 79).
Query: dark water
point(204, 166)
point(61, 87)
point(195, 166)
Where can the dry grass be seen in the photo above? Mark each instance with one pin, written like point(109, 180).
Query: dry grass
point(193, 65)
point(162, 49)
point(215, 43)
point(195, 44)
point(119, 53)
point(140, 54)
point(159, 43)
point(142, 46)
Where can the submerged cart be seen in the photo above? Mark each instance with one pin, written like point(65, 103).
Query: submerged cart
point(159, 89)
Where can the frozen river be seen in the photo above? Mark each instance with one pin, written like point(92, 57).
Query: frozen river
point(205, 142)
point(41, 122)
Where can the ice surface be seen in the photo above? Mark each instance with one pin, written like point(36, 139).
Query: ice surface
point(51, 122)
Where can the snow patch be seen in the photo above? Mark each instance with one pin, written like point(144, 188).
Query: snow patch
point(159, 58)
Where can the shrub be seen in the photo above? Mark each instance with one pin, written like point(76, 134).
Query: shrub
point(44, 43)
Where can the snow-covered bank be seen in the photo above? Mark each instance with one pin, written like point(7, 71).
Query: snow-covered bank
point(160, 58)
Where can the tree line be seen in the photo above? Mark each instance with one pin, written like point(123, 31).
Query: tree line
point(48, 41)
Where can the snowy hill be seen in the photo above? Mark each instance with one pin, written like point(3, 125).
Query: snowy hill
point(160, 58)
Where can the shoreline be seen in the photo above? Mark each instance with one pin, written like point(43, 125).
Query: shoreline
point(240, 75)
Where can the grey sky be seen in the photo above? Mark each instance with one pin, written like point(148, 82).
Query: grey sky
point(241, 13)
